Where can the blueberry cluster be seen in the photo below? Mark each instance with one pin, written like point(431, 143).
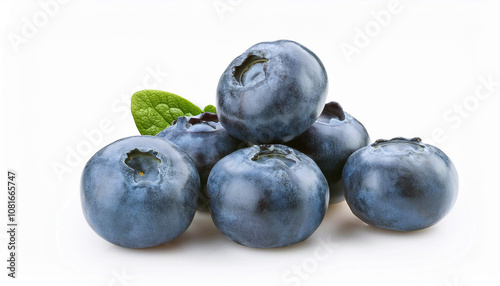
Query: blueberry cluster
point(266, 166)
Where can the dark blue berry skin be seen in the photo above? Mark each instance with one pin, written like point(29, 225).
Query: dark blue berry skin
point(400, 184)
point(267, 196)
point(329, 142)
point(204, 139)
point(272, 92)
point(139, 191)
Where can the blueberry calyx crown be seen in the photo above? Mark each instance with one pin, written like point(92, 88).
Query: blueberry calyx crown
point(250, 70)
point(332, 110)
point(397, 139)
point(275, 152)
point(399, 144)
point(144, 164)
point(206, 118)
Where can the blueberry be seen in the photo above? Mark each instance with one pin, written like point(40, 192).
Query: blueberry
point(329, 142)
point(204, 139)
point(400, 184)
point(267, 196)
point(272, 92)
point(139, 191)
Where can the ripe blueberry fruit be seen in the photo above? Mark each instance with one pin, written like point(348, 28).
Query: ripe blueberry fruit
point(267, 196)
point(204, 139)
point(329, 142)
point(139, 191)
point(400, 184)
point(272, 92)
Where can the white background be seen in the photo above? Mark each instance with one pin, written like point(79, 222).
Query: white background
point(68, 70)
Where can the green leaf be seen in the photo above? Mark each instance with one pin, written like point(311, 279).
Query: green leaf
point(210, 108)
point(155, 110)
